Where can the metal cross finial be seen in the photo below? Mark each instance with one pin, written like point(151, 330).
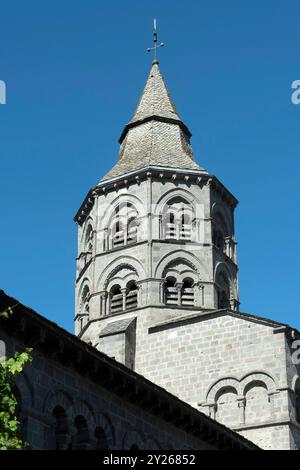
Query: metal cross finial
point(155, 45)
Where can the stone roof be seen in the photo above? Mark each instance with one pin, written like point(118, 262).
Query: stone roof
point(115, 327)
point(155, 136)
point(155, 99)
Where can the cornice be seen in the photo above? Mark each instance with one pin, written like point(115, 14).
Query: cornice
point(155, 117)
point(198, 177)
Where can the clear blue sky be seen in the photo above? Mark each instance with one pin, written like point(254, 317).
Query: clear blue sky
point(74, 71)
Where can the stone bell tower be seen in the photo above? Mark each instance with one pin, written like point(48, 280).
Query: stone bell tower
point(158, 230)
point(157, 281)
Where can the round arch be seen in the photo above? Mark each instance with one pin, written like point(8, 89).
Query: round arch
point(258, 377)
point(131, 438)
point(115, 266)
point(222, 384)
point(57, 398)
point(177, 256)
point(81, 408)
point(86, 282)
point(103, 421)
point(87, 223)
point(173, 193)
point(110, 210)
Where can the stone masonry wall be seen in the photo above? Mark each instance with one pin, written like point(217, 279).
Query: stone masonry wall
point(232, 368)
point(46, 385)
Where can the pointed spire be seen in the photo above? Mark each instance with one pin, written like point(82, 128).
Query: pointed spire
point(155, 104)
point(155, 99)
point(155, 136)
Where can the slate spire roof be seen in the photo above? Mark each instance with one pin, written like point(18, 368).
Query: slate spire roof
point(155, 99)
point(155, 136)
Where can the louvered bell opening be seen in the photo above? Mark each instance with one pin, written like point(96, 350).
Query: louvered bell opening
point(187, 293)
point(170, 231)
point(171, 294)
point(118, 239)
point(131, 298)
point(116, 303)
point(187, 296)
point(185, 233)
point(132, 235)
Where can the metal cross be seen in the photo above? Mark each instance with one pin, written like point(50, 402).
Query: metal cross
point(155, 45)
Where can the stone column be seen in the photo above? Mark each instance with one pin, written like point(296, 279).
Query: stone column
point(162, 291)
point(242, 405)
point(103, 295)
point(212, 410)
point(123, 291)
point(160, 227)
point(200, 295)
point(177, 225)
point(139, 293)
point(105, 239)
point(108, 300)
point(179, 292)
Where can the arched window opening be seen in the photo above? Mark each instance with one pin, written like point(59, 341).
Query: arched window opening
point(132, 228)
point(227, 410)
point(85, 298)
point(171, 291)
point(116, 299)
point(84, 307)
point(219, 240)
point(62, 437)
point(170, 226)
point(223, 291)
point(222, 234)
point(297, 404)
point(257, 406)
point(89, 239)
point(81, 438)
point(101, 439)
point(185, 227)
point(223, 301)
point(124, 229)
point(187, 294)
point(131, 296)
point(178, 220)
point(117, 234)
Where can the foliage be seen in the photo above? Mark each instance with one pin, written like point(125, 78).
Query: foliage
point(9, 369)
